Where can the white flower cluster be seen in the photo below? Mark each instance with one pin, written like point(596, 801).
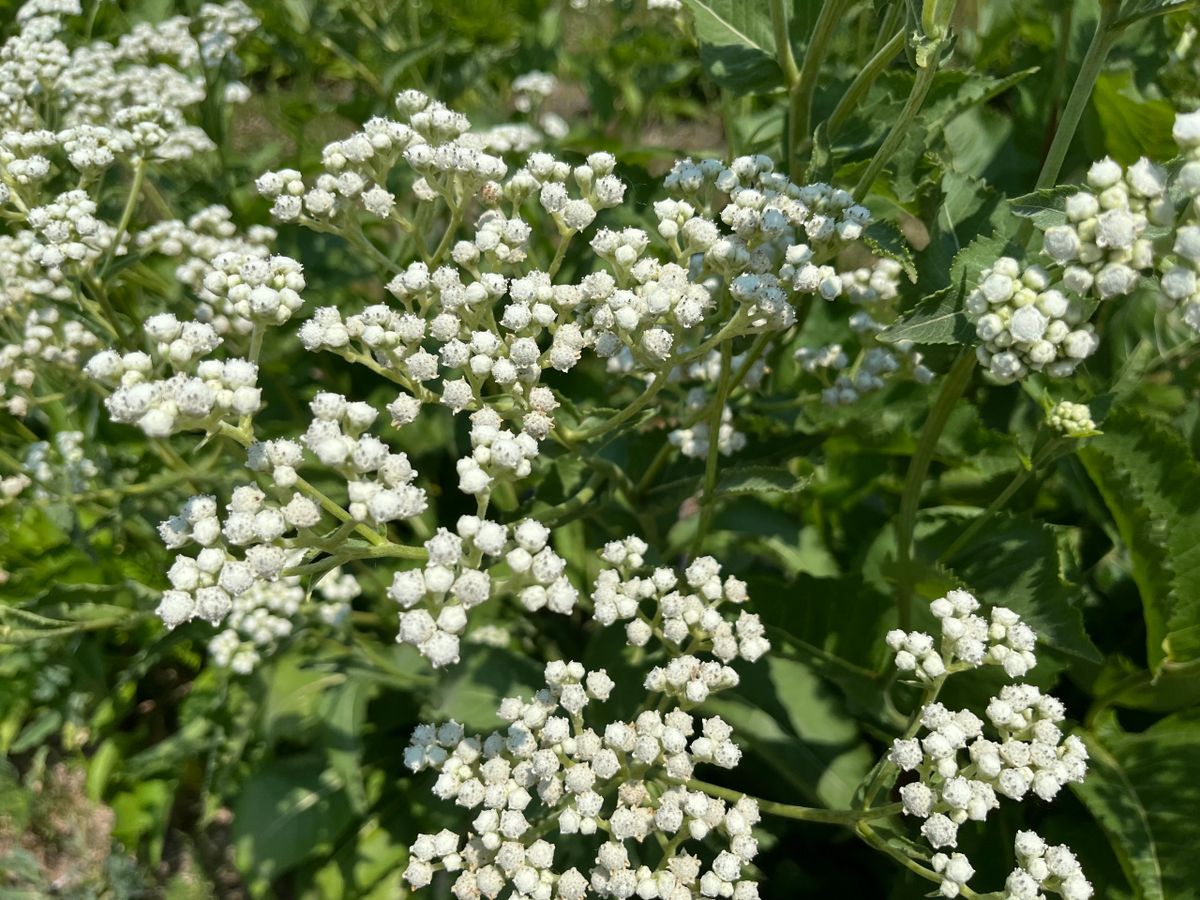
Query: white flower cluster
point(874, 365)
point(1103, 247)
point(1119, 229)
point(967, 641)
point(12, 486)
point(550, 771)
point(205, 586)
point(1044, 867)
point(478, 330)
point(219, 390)
point(1180, 279)
point(267, 613)
point(224, 269)
point(694, 441)
point(378, 481)
point(69, 239)
point(961, 770)
point(436, 599)
point(684, 615)
point(1030, 754)
point(1026, 325)
point(48, 341)
point(765, 213)
point(58, 468)
point(110, 102)
point(1071, 419)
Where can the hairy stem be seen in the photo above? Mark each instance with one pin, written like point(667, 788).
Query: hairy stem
point(711, 463)
point(955, 383)
point(1093, 61)
point(916, 99)
point(862, 83)
point(800, 813)
point(801, 94)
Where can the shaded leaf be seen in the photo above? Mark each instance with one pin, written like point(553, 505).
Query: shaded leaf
point(737, 44)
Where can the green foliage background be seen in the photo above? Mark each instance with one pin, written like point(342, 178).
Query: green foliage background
point(288, 783)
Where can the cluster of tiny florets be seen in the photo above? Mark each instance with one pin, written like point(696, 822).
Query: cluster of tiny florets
point(1127, 228)
point(684, 614)
point(435, 600)
point(1044, 867)
point(962, 768)
point(1071, 419)
point(549, 772)
point(967, 641)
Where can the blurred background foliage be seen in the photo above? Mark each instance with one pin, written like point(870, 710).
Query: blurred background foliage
point(135, 771)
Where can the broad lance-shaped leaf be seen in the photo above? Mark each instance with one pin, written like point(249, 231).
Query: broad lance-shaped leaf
point(1144, 790)
point(292, 810)
point(939, 318)
point(737, 44)
point(1044, 207)
point(884, 239)
point(798, 725)
point(1015, 563)
point(1150, 481)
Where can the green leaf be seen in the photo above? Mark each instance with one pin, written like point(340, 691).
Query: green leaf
point(289, 811)
point(1016, 563)
point(1132, 125)
point(471, 692)
point(1150, 481)
point(1043, 207)
point(343, 713)
point(884, 239)
point(737, 43)
point(760, 480)
point(937, 319)
point(799, 726)
point(1144, 790)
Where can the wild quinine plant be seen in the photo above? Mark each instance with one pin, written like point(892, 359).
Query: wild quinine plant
point(574, 463)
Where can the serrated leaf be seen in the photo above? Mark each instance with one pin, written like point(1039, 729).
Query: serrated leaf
point(1016, 563)
point(760, 480)
point(1133, 126)
point(937, 319)
point(1144, 789)
point(884, 239)
point(1150, 482)
point(737, 43)
point(1043, 207)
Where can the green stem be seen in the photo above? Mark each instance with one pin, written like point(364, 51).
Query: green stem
point(800, 813)
point(563, 242)
point(139, 175)
point(731, 329)
point(869, 835)
point(885, 768)
point(801, 94)
point(1155, 12)
point(568, 510)
point(862, 83)
point(708, 498)
point(916, 99)
point(655, 467)
point(447, 236)
point(1047, 454)
point(334, 509)
point(955, 383)
point(1093, 61)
